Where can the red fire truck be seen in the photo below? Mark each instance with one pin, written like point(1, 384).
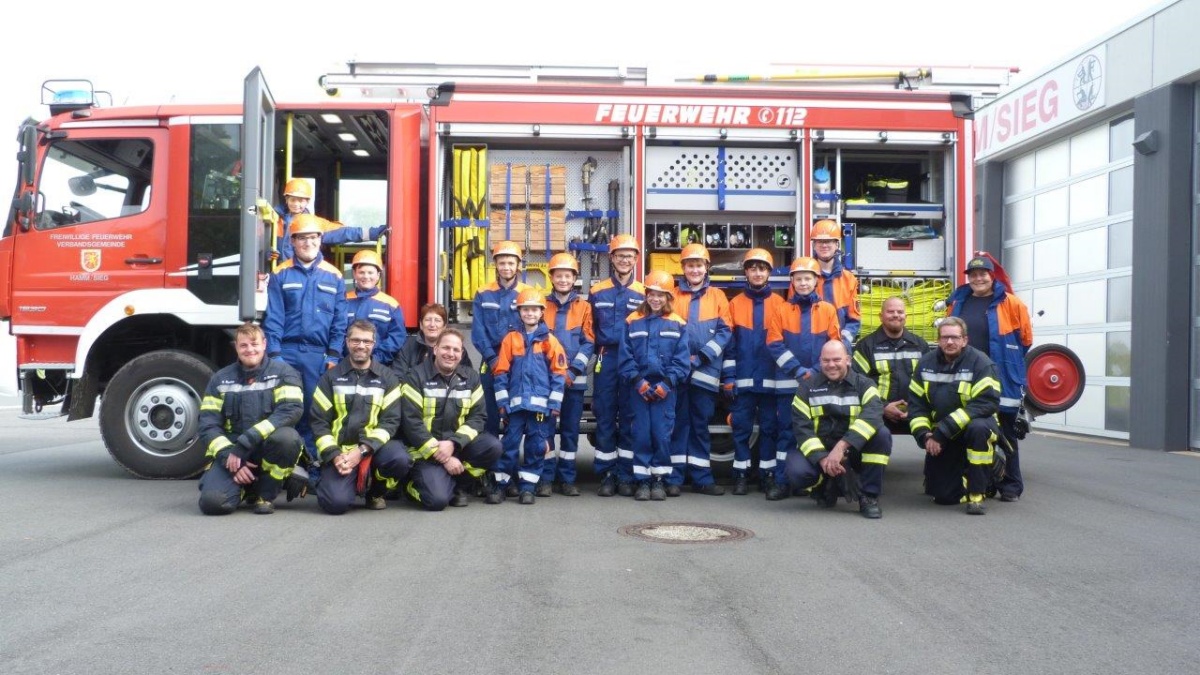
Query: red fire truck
point(138, 237)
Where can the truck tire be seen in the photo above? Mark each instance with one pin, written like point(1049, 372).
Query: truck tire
point(1054, 378)
point(150, 415)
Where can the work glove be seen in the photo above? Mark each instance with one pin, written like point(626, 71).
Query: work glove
point(297, 484)
point(694, 360)
point(803, 373)
point(378, 231)
point(661, 391)
point(645, 391)
point(729, 390)
point(330, 362)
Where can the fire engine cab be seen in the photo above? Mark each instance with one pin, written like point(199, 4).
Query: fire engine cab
point(139, 237)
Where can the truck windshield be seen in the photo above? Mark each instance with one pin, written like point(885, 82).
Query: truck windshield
point(89, 180)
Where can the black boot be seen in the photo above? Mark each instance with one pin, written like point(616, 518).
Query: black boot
point(741, 485)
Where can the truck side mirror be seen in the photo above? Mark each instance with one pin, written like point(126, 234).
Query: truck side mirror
point(82, 186)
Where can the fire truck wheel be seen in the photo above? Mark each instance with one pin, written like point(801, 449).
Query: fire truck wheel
point(150, 414)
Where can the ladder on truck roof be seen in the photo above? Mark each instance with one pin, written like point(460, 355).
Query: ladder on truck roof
point(418, 81)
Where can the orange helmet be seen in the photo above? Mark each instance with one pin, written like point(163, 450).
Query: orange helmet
point(694, 252)
point(623, 241)
point(367, 258)
point(660, 281)
point(761, 255)
point(564, 261)
point(506, 248)
point(825, 229)
point(298, 187)
point(531, 297)
point(306, 223)
point(804, 264)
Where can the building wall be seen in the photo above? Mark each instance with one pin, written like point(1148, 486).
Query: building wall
point(1100, 238)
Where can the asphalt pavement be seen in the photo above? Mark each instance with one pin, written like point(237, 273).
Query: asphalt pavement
point(1094, 571)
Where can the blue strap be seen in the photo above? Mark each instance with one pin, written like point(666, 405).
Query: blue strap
point(721, 178)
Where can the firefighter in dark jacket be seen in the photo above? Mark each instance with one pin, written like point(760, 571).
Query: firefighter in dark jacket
point(356, 419)
point(888, 356)
point(246, 423)
point(952, 404)
point(443, 421)
point(837, 418)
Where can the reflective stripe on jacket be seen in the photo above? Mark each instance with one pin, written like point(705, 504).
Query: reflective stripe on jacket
point(944, 396)
point(889, 361)
point(706, 310)
point(655, 349)
point(352, 407)
point(306, 305)
point(796, 331)
point(246, 406)
point(571, 321)
point(747, 363)
point(825, 412)
point(531, 371)
point(385, 312)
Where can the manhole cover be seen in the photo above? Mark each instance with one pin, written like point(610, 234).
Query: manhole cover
point(686, 533)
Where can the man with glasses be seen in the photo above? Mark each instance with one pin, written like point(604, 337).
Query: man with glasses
point(952, 404)
point(356, 419)
point(306, 316)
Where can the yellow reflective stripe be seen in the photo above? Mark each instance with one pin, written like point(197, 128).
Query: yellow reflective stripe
point(975, 498)
point(873, 458)
point(339, 417)
point(467, 431)
point(475, 471)
point(427, 449)
point(277, 472)
point(812, 445)
point(865, 430)
point(428, 412)
point(218, 444)
point(392, 397)
point(801, 407)
point(979, 456)
point(862, 362)
point(477, 396)
point(855, 411)
point(325, 442)
point(869, 394)
point(411, 489)
point(288, 392)
point(983, 385)
point(919, 388)
point(212, 403)
point(918, 424)
point(264, 428)
point(380, 435)
point(960, 418)
point(388, 482)
point(321, 400)
point(411, 394)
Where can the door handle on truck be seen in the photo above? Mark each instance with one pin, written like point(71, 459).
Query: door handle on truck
point(143, 261)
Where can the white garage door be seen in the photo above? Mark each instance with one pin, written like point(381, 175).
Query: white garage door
point(1068, 236)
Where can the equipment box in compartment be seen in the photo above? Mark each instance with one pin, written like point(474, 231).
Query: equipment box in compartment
point(919, 255)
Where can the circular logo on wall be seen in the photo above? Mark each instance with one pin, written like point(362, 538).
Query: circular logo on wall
point(1085, 85)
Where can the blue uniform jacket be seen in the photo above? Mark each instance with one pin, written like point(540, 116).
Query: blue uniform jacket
point(341, 235)
point(748, 364)
point(385, 312)
point(531, 371)
point(494, 314)
point(708, 331)
point(571, 321)
point(306, 306)
point(655, 348)
point(611, 304)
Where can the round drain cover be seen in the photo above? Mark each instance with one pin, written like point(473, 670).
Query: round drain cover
point(686, 533)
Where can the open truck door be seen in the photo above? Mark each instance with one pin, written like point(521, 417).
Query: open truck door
point(258, 171)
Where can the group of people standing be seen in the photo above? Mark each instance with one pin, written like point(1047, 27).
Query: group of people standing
point(380, 413)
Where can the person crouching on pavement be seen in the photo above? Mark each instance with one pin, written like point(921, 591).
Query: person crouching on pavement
point(837, 417)
point(654, 360)
point(246, 423)
point(443, 418)
point(952, 404)
point(531, 374)
point(356, 417)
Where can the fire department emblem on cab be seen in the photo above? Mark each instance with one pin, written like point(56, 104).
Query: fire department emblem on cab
point(89, 259)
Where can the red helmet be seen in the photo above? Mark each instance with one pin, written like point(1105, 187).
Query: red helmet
point(804, 264)
point(660, 281)
point(507, 248)
point(761, 255)
point(298, 187)
point(564, 261)
point(694, 252)
point(531, 297)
